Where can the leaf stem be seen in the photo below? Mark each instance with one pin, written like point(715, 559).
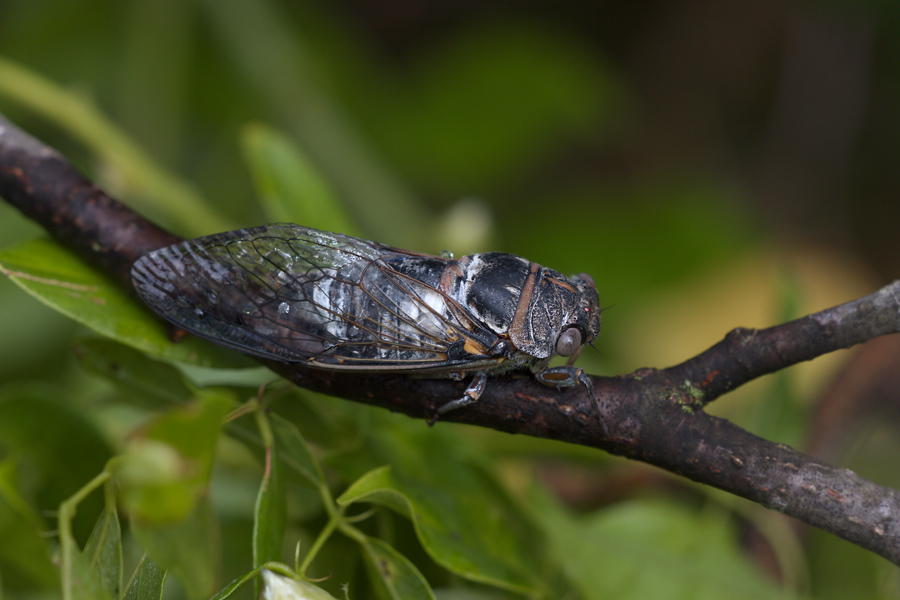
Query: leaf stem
point(336, 521)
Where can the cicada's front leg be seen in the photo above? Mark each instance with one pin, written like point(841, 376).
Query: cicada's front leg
point(568, 376)
point(470, 396)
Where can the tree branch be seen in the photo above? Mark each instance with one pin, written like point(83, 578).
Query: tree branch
point(46, 188)
point(655, 416)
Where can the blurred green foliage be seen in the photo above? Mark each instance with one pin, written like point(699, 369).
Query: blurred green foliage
point(207, 115)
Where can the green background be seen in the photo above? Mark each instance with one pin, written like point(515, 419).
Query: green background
point(710, 166)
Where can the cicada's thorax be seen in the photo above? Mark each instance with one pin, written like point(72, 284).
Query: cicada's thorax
point(516, 299)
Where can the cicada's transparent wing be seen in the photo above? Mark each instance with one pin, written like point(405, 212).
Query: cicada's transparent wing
point(296, 294)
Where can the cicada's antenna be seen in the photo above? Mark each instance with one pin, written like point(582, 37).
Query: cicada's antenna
point(591, 343)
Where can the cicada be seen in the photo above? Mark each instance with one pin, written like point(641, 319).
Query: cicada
point(331, 301)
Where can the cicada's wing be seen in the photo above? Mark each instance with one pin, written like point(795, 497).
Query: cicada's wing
point(331, 301)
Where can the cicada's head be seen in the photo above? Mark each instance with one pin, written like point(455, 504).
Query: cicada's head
point(554, 315)
point(583, 324)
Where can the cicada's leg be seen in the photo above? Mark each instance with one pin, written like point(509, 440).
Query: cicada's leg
point(471, 395)
point(568, 376)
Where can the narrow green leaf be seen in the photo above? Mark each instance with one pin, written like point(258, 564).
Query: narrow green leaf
point(392, 574)
point(376, 486)
point(103, 552)
point(189, 548)
point(236, 584)
point(295, 452)
point(270, 513)
point(279, 72)
point(290, 188)
point(60, 280)
point(147, 582)
point(83, 581)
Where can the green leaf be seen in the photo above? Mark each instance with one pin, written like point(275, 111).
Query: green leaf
point(150, 380)
point(103, 552)
point(147, 582)
point(25, 551)
point(189, 548)
point(290, 188)
point(464, 520)
point(82, 582)
point(193, 429)
point(57, 278)
point(295, 452)
point(280, 73)
point(297, 469)
point(649, 549)
point(166, 471)
point(375, 486)
point(269, 515)
point(392, 574)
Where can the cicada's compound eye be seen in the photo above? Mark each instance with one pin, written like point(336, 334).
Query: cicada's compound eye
point(568, 342)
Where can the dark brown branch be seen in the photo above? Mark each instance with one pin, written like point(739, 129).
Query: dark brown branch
point(42, 184)
point(652, 415)
point(746, 354)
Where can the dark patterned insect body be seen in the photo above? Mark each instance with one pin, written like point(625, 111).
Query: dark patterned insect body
point(331, 301)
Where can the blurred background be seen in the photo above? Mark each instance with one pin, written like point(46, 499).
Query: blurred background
point(711, 165)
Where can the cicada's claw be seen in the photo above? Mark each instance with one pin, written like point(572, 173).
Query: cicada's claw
point(470, 396)
point(568, 376)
